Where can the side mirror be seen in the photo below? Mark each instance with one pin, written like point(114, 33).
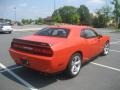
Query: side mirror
point(99, 36)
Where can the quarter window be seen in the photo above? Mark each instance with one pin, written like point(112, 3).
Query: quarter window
point(88, 33)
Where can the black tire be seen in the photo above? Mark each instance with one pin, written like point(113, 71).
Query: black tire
point(9, 32)
point(106, 49)
point(69, 71)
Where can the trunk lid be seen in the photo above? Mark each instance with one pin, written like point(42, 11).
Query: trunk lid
point(45, 39)
point(34, 44)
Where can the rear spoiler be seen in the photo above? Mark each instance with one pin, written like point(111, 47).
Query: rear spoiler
point(32, 43)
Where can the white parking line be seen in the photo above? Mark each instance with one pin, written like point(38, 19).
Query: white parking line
point(17, 77)
point(11, 69)
point(104, 66)
point(115, 51)
point(115, 42)
point(115, 38)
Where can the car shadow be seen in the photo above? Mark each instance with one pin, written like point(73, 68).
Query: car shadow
point(2, 33)
point(9, 67)
point(92, 59)
point(36, 79)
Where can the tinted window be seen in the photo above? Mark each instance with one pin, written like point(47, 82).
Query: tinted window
point(4, 24)
point(88, 33)
point(56, 32)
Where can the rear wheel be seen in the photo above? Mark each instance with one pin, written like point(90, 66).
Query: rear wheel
point(74, 65)
point(9, 32)
point(106, 48)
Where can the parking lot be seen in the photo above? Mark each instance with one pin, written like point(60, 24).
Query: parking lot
point(103, 73)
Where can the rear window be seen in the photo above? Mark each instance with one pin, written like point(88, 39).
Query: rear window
point(4, 24)
point(54, 32)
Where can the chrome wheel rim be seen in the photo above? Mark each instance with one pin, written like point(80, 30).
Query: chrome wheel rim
point(106, 48)
point(76, 65)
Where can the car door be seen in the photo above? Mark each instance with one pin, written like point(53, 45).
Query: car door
point(91, 42)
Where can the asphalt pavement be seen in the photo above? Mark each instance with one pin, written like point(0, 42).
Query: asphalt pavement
point(103, 73)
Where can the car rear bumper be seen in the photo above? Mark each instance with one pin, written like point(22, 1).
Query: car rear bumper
point(6, 30)
point(39, 63)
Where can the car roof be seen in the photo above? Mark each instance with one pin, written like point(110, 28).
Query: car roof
point(70, 27)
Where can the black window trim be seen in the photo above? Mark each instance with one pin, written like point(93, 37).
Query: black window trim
point(57, 36)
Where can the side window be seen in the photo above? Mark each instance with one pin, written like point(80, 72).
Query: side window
point(88, 33)
point(59, 32)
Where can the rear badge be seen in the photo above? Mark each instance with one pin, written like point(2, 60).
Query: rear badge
point(28, 48)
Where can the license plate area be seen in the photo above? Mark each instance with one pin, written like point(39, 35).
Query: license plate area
point(25, 62)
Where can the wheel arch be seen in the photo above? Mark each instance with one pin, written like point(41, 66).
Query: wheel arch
point(107, 41)
point(80, 52)
point(68, 64)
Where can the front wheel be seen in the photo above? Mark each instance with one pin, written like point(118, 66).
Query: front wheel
point(106, 49)
point(74, 65)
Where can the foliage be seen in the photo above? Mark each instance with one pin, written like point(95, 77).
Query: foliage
point(99, 21)
point(56, 16)
point(39, 21)
point(68, 14)
point(106, 10)
point(102, 17)
point(26, 21)
point(116, 10)
point(84, 15)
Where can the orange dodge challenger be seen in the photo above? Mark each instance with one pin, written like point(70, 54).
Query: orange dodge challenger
point(59, 48)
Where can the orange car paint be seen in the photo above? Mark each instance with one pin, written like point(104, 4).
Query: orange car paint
point(63, 48)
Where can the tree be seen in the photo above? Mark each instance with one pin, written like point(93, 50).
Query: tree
point(84, 14)
point(116, 10)
point(105, 11)
point(56, 16)
point(39, 21)
point(102, 18)
point(30, 21)
point(26, 21)
point(99, 20)
point(75, 19)
point(69, 15)
point(23, 21)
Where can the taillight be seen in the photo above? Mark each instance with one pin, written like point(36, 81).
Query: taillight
point(43, 51)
